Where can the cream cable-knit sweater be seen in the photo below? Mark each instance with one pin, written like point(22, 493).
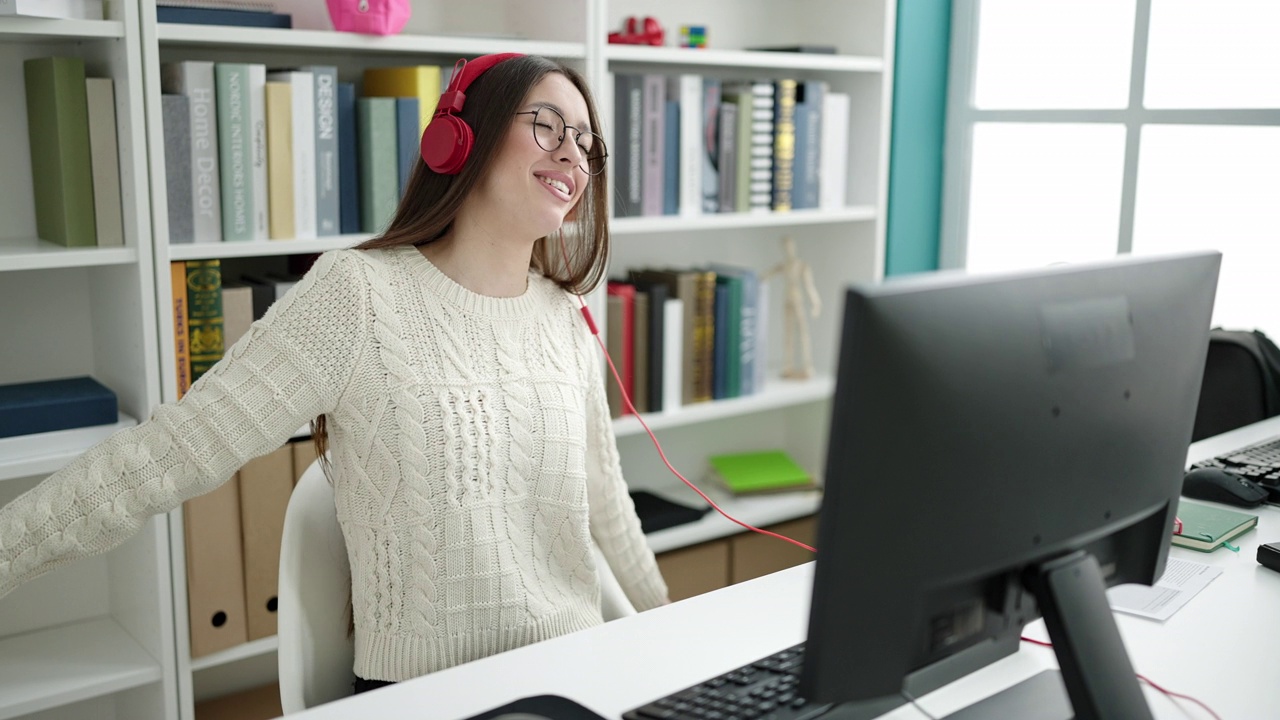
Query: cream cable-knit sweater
point(472, 450)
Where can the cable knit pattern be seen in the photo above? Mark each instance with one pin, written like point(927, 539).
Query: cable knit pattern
point(473, 458)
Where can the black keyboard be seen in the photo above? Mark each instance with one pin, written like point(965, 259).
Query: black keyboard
point(762, 690)
point(1259, 462)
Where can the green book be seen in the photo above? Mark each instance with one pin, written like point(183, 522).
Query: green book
point(204, 315)
point(235, 161)
point(58, 132)
point(756, 472)
point(379, 169)
point(1206, 528)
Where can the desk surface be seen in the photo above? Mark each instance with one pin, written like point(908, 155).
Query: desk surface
point(1217, 648)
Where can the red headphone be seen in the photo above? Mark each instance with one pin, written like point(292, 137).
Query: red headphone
point(447, 140)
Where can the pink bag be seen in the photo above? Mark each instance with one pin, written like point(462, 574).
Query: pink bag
point(372, 17)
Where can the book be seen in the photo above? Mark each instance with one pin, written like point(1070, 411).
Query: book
point(302, 90)
point(784, 144)
point(49, 405)
point(71, 9)
point(408, 136)
point(379, 169)
point(235, 151)
point(222, 16)
point(760, 472)
point(628, 124)
point(195, 79)
point(833, 173)
point(58, 133)
point(280, 186)
point(1206, 527)
point(258, 151)
point(348, 151)
point(658, 513)
point(204, 315)
point(175, 113)
point(327, 129)
point(653, 143)
point(105, 161)
point(181, 350)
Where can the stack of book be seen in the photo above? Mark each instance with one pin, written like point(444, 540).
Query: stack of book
point(691, 145)
point(75, 165)
point(681, 336)
point(253, 154)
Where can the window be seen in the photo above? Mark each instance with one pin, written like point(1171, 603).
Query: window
point(1078, 129)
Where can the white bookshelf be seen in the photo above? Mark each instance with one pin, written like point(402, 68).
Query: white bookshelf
point(32, 253)
point(777, 393)
point(718, 59)
point(43, 453)
point(92, 638)
point(29, 29)
point(103, 311)
point(732, 221)
point(69, 663)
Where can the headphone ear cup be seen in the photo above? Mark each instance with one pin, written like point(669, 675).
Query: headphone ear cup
point(446, 143)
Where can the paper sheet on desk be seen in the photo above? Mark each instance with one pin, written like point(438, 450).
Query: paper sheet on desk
point(1181, 581)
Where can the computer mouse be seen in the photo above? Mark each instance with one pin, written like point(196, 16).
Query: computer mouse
point(1219, 485)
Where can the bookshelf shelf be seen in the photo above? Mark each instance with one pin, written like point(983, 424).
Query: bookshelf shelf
point(36, 254)
point(43, 453)
point(723, 221)
point(776, 394)
point(680, 57)
point(51, 668)
point(270, 248)
point(192, 35)
point(42, 29)
point(253, 648)
point(759, 511)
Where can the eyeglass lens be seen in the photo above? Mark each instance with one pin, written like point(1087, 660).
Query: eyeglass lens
point(549, 130)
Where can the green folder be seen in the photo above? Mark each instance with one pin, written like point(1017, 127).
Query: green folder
point(1205, 527)
point(766, 471)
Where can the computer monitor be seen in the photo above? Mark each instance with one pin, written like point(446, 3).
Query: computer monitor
point(1003, 448)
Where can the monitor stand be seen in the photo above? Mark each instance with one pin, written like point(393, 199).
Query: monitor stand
point(1097, 680)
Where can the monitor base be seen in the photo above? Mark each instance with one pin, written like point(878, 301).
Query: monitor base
point(1040, 697)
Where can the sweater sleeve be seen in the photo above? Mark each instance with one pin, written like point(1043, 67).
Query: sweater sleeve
point(614, 524)
point(291, 366)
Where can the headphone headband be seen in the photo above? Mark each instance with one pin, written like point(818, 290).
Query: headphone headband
point(465, 73)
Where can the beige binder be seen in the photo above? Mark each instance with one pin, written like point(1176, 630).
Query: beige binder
point(215, 570)
point(265, 486)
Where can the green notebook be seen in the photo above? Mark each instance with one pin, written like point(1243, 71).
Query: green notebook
point(1206, 528)
point(754, 472)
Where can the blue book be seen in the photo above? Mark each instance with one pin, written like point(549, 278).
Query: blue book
point(720, 349)
point(49, 405)
point(808, 150)
point(348, 173)
point(407, 146)
point(221, 16)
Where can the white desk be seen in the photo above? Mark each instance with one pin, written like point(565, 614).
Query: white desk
point(1219, 648)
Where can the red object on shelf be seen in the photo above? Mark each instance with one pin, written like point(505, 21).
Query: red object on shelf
point(651, 33)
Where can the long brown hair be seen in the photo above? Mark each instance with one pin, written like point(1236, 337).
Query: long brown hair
point(431, 201)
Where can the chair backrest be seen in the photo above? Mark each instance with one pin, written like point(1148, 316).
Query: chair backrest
point(1241, 382)
point(316, 654)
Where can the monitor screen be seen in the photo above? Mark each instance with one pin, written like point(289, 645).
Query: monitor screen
point(1002, 448)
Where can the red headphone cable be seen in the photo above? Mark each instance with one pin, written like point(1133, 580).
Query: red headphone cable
point(595, 332)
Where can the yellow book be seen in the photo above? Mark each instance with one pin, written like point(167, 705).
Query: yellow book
point(280, 199)
point(420, 81)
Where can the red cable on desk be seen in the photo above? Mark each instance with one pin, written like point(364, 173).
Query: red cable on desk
point(1143, 678)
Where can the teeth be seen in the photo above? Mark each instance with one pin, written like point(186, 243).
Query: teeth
point(556, 184)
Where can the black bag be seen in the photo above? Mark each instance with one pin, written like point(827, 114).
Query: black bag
point(1241, 382)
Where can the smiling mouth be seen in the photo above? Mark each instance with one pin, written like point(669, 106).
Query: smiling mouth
point(557, 184)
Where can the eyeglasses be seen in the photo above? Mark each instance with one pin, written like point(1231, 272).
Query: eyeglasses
point(550, 130)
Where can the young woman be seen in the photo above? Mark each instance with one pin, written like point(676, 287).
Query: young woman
point(451, 377)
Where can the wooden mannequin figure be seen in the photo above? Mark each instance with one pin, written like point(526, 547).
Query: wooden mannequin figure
point(795, 324)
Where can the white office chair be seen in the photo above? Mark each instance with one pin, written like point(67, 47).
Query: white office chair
point(316, 654)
